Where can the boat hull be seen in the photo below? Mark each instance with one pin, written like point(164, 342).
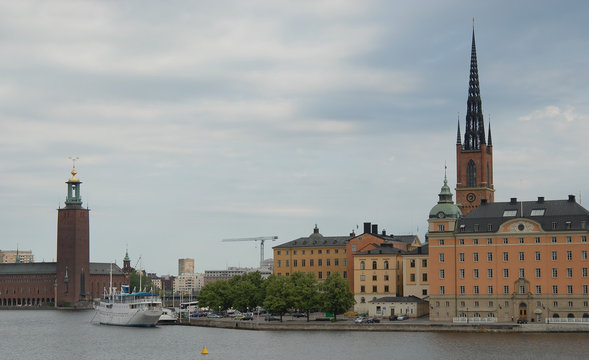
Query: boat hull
point(124, 315)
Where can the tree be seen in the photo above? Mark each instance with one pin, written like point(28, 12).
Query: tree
point(134, 282)
point(279, 295)
point(216, 295)
point(247, 291)
point(306, 295)
point(336, 295)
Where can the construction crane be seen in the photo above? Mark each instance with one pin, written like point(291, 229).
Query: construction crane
point(261, 239)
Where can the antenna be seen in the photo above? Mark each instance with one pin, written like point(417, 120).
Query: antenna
point(74, 159)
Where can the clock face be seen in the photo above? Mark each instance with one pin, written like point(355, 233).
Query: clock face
point(441, 214)
point(470, 197)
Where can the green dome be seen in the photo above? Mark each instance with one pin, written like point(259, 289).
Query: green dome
point(445, 206)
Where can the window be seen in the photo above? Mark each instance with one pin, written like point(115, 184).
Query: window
point(522, 273)
point(522, 289)
point(442, 290)
point(278, 263)
point(320, 262)
point(506, 273)
point(441, 257)
point(287, 263)
point(521, 240)
point(353, 247)
point(362, 277)
point(386, 277)
point(278, 252)
point(537, 256)
point(569, 272)
point(386, 265)
point(521, 256)
point(303, 262)
point(362, 265)
point(461, 241)
point(424, 263)
point(584, 255)
point(554, 237)
point(362, 288)
point(553, 225)
point(442, 273)
point(386, 288)
point(506, 289)
point(412, 263)
point(554, 256)
point(461, 272)
point(569, 289)
point(424, 276)
point(328, 262)
point(335, 251)
point(476, 289)
point(475, 273)
point(320, 275)
point(441, 227)
point(471, 174)
point(569, 255)
point(489, 227)
point(295, 262)
point(569, 239)
point(461, 257)
point(312, 262)
point(585, 292)
point(505, 256)
point(336, 260)
point(374, 289)
point(476, 227)
point(584, 272)
point(490, 273)
point(312, 252)
point(462, 304)
point(538, 289)
point(441, 241)
point(412, 277)
point(475, 257)
point(374, 265)
point(537, 272)
point(319, 251)
point(537, 240)
point(505, 241)
point(537, 212)
point(373, 277)
point(583, 238)
point(489, 256)
point(424, 292)
point(476, 304)
point(490, 289)
point(509, 213)
point(554, 272)
point(490, 241)
point(475, 241)
point(462, 289)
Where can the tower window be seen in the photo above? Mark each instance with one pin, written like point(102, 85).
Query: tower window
point(471, 173)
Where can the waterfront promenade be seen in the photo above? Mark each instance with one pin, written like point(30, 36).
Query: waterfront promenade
point(412, 325)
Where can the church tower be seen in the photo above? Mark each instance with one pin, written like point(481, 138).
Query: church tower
point(73, 249)
point(474, 157)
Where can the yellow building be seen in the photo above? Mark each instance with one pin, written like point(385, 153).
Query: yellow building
point(377, 273)
point(16, 256)
point(415, 273)
point(318, 254)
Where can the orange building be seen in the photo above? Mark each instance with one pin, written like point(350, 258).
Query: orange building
point(415, 273)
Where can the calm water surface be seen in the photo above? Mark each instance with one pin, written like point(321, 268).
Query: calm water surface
point(72, 335)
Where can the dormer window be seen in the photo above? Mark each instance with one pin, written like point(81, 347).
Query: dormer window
point(509, 213)
point(538, 212)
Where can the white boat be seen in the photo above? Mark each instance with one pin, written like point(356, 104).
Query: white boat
point(169, 316)
point(129, 309)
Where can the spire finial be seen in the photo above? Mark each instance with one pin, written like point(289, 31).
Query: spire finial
point(74, 172)
point(458, 139)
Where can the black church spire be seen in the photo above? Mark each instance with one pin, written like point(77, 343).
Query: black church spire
point(474, 136)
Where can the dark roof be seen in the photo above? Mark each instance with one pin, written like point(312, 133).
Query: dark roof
point(405, 239)
point(381, 250)
point(422, 250)
point(312, 241)
point(28, 268)
point(411, 298)
point(104, 269)
point(559, 212)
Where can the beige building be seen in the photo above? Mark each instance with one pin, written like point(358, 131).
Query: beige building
point(188, 283)
point(412, 306)
point(415, 273)
point(16, 256)
point(377, 273)
point(185, 266)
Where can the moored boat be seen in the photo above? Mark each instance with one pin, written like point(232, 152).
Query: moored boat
point(129, 309)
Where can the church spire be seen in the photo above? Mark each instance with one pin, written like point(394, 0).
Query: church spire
point(458, 139)
point(489, 141)
point(474, 136)
point(74, 198)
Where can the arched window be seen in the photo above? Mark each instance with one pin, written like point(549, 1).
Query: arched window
point(471, 174)
point(386, 265)
point(374, 265)
point(570, 316)
point(362, 300)
point(361, 265)
point(488, 176)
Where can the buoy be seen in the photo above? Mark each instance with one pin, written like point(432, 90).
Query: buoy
point(204, 351)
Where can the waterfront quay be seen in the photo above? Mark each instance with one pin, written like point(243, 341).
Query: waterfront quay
point(412, 325)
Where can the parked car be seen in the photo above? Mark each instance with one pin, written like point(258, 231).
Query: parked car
point(248, 317)
point(372, 321)
point(239, 317)
point(522, 321)
point(359, 320)
point(402, 317)
point(392, 317)
point(271, 318)
point(215, 316)
point(299, 315)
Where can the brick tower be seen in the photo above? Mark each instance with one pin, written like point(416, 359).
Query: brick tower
point(474, 157)
point(73, 251)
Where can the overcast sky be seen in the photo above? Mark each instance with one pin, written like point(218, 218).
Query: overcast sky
point(197, 121)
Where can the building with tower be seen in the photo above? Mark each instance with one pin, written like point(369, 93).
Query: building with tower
point(474, 156)
point(72, 281)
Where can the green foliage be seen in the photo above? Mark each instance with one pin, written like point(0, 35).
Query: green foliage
point(145, 282)
point(279, 295)
point(336, 295)
point(306, 295)
point(216, 295)
point(247, 291)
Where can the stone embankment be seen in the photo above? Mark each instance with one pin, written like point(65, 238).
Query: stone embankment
point(408, 325)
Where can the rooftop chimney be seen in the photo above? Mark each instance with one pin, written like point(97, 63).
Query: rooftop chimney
point(513, 201)
point(384, 232)
point(483, 201)
point(366, 228)
point(540, 199)
point(572, 198)
point(375, 229)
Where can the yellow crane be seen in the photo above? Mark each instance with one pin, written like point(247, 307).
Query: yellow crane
point(261, 239)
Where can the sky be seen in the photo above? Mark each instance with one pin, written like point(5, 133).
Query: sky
point(199, 121)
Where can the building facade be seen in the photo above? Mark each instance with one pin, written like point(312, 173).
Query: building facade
point(185, 266)
point(16, 256)
point(415, 272)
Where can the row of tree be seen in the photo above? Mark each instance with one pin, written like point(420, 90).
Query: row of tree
point(279, 294)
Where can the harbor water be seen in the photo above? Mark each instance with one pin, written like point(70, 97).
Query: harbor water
point(47, 334)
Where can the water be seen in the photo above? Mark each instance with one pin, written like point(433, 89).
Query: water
point(71, 335)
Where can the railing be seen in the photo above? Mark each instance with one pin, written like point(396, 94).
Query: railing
point(474, 320)
point(567, 321)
